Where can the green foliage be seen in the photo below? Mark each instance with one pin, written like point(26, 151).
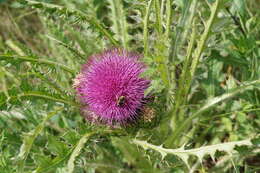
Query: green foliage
point(202, 58)
point(198, 152)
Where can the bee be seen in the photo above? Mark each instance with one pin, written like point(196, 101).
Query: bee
point(120, 101)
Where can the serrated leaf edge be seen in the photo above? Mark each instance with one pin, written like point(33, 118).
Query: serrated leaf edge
point(184, 155)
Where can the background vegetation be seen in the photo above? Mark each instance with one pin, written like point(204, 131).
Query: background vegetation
point(203, 57)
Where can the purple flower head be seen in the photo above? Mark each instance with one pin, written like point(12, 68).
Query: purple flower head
point(110, 87)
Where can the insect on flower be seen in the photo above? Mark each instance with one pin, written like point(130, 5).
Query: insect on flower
point(110, 87)
point(120, 101)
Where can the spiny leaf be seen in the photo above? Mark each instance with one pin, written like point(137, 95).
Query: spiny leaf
point(31, 136)
point(37, 94)
point(53, 164)
point(184, 155)
point(77, 150)
point(73, 50)
point(15, 58)
point(133, 156)
point(56, 146)
point(210, 103)
point(120, 25)
point(78, 16)
point(204, 37)
point(47, 80)
point(78, 147)
point(146, 21)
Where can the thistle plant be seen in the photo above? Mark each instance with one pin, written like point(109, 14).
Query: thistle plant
point(110, 88)
point(129, 86)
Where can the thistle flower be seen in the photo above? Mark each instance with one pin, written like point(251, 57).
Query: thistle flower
point(110, 88)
